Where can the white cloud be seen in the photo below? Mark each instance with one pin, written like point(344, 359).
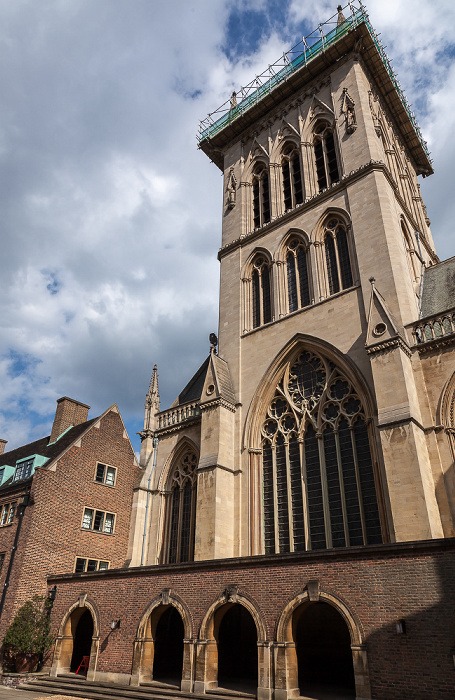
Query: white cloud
point(111, 216)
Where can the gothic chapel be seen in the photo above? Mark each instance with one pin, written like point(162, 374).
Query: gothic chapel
point(293, 526)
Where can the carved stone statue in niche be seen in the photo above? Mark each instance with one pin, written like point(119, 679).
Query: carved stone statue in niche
point(231, 189)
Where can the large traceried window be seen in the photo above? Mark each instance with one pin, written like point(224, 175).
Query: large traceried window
point(337, 258)
point(298, 281)
point(318, 482)
point(181, 509)
point(325, 155)
point(260, 288)
point(261, 196)
point(292, 176)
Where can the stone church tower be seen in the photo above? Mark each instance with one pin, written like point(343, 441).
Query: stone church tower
point(324, 416)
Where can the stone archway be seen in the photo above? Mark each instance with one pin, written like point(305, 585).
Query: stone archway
point(78, 636)
point(164, 648)
point(319, 642)
point(232, 616)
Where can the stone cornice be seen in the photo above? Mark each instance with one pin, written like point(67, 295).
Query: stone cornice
point(175, 427)
point(389, 345)
point(216, 403)
point(435, 344)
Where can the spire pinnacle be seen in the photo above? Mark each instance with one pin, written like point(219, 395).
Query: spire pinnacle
point(153, 394)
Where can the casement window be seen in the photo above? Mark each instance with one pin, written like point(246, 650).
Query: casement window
point(337, 257)
point(83, 565)
point(98, 520)
point(105, 474)
point(181, 509)
point(325, 155)
point(298, 282)
point(318, 480)
point(2, 559)
point(261, 292)
point(261, 196)
point(23, 469)
point(7, 511)
point(292, 177)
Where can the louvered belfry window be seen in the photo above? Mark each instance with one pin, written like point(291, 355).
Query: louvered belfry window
point(182, 509)
point(325, 155)
point(261, 196)
point(318, 480)
point(292, 177)
point(337, 258)
point(297, 275)
point(261, 296)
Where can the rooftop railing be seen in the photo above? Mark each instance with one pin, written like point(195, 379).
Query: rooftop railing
point(291, 61)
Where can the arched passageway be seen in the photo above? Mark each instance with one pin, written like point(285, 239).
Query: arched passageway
point(237, 648)
point(168, 652)
point(324, 655)
point(82, 627)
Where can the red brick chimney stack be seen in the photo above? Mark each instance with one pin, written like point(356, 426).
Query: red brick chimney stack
point(69, 413)
point(2, 445)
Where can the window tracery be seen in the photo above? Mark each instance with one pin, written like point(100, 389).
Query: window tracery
point(337, 257)
point(325, 155)
point(261, 196)
point(292, 176)
point(318, 482)
point(181, 507)
point(297, 274)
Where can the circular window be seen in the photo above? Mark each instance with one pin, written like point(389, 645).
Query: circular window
point(210, 389)
point(379, 329)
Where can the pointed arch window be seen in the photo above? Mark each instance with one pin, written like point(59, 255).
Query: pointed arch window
point(292, 176)
point(337, 256)
point(261, 196)
point(318, 480)
point(181, 509)
point(261, 294)
point(298, 280)
point(410, 251)
point(327, 171)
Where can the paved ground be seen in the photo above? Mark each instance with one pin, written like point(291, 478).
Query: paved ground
point(16, 694)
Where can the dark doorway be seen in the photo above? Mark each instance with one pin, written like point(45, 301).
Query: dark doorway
point(82, 641)
point(237, 650)
point(324, 653)
point(168, 657)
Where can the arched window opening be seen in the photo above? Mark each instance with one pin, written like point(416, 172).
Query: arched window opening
point(261, 196)
point(324, 655)
point(82, 639)
point(168, 651)
point(182, 509)
point(337, 258)
point(297, 275)
point(237, 650)
point(318, 481)
point(292, 177)
point(262, 308)
point(410, 251)
point(325, 155)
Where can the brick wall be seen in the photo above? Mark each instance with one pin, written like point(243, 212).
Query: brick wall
point(378, 585)
point(51, 537)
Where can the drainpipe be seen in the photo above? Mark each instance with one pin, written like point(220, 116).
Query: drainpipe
point(22, 508)
point(144, 534)
point(417, 235)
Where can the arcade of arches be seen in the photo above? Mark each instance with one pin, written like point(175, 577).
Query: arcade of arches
point(316, 649)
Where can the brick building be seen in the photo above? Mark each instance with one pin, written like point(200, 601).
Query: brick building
point(293, 527)
point(65, 502)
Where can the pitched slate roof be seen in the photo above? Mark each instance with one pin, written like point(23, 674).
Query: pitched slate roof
point(438, 292)
point(193, 390)
point(43, 448)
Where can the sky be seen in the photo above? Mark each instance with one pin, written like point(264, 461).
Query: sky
point(110, 215)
